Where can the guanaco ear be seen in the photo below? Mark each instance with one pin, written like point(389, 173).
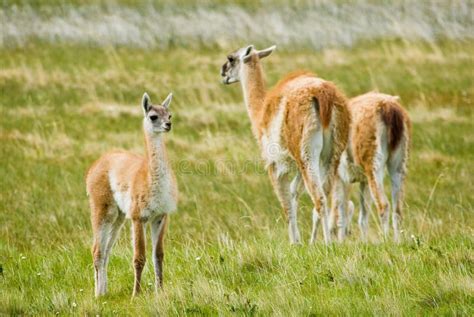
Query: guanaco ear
point(246, 56)
point(266, 52)
point(167, 101)
point(146, 103)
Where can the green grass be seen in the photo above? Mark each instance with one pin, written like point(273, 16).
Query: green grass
point(227, 249)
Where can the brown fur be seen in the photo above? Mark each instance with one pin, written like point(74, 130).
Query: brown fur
point(323, 94)
point(368, 111)
point(300, 121)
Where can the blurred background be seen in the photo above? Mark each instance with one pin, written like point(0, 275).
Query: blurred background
point(301, 24)
point(71, 77)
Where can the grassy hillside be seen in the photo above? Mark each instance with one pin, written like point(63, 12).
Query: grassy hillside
point(227, 250)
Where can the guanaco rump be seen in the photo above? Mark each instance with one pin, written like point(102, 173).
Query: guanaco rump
point(379, 138)
point(302, 122)
point(123, 185)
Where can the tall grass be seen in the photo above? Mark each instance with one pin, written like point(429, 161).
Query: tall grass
point(226, 249)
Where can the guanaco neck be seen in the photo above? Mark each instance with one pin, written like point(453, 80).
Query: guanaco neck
point(254, 90)
point(156, 157)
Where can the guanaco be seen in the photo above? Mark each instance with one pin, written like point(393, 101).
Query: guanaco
point(379, 138)
point(302, 122)
point(123, 185)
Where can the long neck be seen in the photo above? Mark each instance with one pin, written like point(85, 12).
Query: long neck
point(156, 156)
point(254, 89)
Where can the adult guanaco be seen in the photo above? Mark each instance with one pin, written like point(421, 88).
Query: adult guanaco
point(379, 137)
point(303, 122)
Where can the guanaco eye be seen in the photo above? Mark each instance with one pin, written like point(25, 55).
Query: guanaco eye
point(153, 117)
point(230, 58)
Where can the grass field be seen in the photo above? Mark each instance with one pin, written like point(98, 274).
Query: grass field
point(227, 252)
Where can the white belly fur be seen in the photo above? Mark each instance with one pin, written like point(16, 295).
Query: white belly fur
point(163, 201)
point(123, 199)
point(273, 151)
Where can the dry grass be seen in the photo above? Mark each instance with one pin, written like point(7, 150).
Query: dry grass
point(308, 24)
point(445, 113)
point(227, 251)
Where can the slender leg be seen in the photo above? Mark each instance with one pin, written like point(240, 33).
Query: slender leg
point(327, 174)
point(114, 234)
point(338, 191)
point(101, 237)
point(318, 180)
point(337, 204)
point(105, 228)
point(334, 214)
point(375, 181)
point(350, 214)
point(364, 197)
point(281, 185)
point(396, 180)
point(315, 226)
point(333, 217)
point(158, 228)
point(320, 210)
point(295, 190)
point(397, 171)
point(340, 194)
point(139, 256)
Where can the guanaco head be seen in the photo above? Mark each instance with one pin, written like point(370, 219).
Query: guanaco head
point(230, 71)
point(157, 118)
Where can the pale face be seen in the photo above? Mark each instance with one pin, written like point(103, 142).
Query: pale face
point(157, 118)
point(230, 71)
